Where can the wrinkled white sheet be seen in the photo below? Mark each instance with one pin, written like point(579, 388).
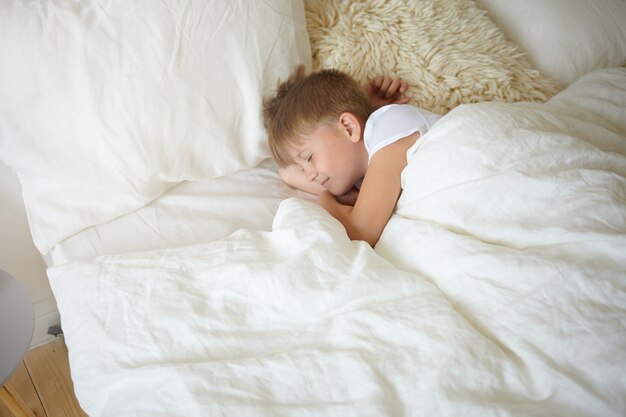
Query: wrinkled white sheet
point(517, 213)
point(503, 291)
point(192, 212)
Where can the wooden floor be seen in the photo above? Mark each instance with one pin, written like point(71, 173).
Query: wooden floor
point(43, 382)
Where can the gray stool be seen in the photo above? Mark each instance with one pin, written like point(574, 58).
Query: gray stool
point(16, 332)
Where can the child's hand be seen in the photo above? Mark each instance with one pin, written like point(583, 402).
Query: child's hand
point(386, 90)
point(295, 177)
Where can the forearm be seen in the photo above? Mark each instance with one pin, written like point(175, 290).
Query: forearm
point(358, 227)
point(378, 195)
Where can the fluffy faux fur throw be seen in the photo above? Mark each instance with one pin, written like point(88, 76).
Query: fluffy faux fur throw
point(449, 51)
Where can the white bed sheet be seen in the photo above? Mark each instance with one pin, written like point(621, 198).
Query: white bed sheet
point(497, 289)
point(192, 212)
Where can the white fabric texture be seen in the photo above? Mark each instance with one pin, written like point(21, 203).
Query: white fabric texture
point(498, 288)
point(192, 212)
point(105, 105)
point(564, 39)
point(395, 121)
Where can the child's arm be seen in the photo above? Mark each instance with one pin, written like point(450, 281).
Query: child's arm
point(378, 196)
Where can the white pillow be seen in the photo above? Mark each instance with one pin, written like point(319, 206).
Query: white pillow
point(564, 39)
point(106, 105)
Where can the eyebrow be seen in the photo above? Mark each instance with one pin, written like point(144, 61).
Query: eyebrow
point(299, 153)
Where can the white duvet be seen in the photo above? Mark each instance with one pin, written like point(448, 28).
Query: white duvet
point(497, 288)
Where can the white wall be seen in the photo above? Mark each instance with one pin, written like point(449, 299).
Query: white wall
point(20, 258)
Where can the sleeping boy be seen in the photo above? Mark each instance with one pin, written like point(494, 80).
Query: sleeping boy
point(345, 143)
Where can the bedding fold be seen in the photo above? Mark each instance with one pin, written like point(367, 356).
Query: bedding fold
point(517, 213)
point(297, 321)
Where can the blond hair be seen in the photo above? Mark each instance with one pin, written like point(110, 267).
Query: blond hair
point(303, 102)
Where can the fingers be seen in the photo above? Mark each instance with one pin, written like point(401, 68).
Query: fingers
point(376, 82)
point(402, 100)
point(393, 88)
point(384, 87)
point(380, 85)
point(399, 97)
point(403, 87)
point(388, 87)
point(386, 90)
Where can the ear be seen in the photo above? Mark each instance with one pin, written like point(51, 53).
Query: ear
point(351, 125)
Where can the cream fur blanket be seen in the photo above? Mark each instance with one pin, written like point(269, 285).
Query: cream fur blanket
point(449, 51)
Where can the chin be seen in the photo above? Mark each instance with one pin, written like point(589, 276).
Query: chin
point(337, 192)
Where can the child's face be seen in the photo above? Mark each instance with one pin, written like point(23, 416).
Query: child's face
point(332, 157)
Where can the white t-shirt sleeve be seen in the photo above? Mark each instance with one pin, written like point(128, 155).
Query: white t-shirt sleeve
point(393, 122)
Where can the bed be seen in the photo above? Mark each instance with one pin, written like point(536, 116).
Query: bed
point(192, 282)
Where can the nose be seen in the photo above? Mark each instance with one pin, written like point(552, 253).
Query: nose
point(310, 173)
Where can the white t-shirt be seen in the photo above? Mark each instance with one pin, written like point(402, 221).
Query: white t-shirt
point(395, 121)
